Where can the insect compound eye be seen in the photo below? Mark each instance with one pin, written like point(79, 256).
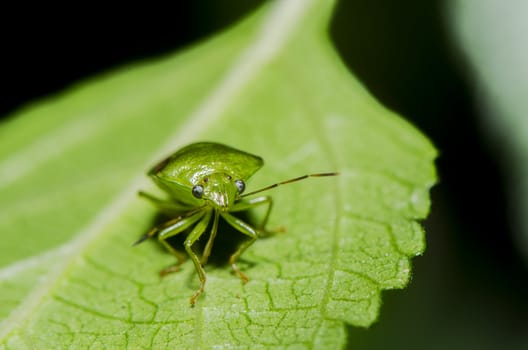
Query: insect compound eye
point(240, 185)
point(197, 191)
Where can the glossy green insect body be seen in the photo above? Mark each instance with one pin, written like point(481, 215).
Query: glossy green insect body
point(213, 166)
point(205, 181)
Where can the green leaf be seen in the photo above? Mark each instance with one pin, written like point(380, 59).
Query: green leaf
point(273, 86)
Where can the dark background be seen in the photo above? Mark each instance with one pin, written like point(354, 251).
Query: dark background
point(469, 290)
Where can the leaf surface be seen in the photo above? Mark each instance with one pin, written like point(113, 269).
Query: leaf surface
point(273, 86)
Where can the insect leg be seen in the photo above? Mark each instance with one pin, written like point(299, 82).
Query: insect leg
point(251, 203)
point(247, 230)
point(165, 225)
point(209, 245)
point(173, 229)
point(167, 206)
point(195, 234)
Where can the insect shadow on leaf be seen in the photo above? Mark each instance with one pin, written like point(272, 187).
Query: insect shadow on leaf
point(226, 241)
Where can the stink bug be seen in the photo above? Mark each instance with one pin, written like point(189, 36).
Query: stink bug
point(205, 181)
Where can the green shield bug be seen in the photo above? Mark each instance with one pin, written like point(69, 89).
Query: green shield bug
point(205, 181)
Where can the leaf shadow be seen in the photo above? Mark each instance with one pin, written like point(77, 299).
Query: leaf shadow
point(226, 242)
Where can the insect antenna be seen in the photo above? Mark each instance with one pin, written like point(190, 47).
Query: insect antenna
point(288, 182)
